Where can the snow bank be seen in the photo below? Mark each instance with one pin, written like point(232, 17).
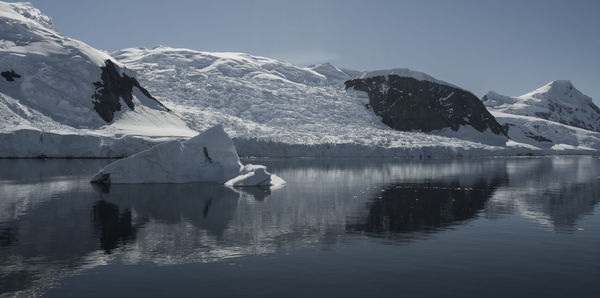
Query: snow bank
point(208, 157)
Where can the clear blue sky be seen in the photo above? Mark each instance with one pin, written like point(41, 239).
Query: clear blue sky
point(510, 46)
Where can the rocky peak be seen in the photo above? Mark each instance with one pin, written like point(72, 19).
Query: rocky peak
point(560, 90)
point(112, 88)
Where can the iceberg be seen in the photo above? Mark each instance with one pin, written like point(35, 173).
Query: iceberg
point(210, 156)
point(254, 175)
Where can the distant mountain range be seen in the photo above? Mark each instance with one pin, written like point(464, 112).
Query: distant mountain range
point(59, 97)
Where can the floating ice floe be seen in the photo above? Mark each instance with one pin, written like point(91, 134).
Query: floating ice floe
point(208, 157)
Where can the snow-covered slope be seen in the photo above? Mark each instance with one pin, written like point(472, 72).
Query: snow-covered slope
point(557, 101)
point(550, 136)
point(55, 85)
point(54, 74)
point(555, 118)
point(272, 108)
point(65, 79)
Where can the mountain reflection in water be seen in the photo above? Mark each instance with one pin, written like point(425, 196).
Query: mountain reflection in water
point(422, 207)
point(54, 224)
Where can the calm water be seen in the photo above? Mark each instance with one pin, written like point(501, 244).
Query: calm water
point(521, 227)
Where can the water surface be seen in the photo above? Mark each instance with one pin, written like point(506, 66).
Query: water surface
point(496, 227)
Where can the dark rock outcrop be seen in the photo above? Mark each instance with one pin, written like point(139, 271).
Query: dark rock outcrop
point(10, 75)
point(537, 137)
point(113, 87)
point(406, 103)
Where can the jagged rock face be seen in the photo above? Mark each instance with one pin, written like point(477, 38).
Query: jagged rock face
point(113, 87)
point(406, 103)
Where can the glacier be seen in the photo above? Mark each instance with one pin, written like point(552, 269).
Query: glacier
point(270, 108)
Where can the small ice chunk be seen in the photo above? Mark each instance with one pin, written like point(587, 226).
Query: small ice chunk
point(255, 175)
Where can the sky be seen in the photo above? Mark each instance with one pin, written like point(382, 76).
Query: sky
point(511, 47)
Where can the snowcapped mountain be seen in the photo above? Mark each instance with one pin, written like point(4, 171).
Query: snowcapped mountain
point(61, 97)
point(408, 100)
point(557, 101)
point(555, 118)
point(271, 107)
point(68, 82)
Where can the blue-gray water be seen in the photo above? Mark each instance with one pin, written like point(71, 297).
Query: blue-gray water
point(507, 227)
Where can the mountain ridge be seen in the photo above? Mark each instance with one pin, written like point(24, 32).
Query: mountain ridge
point(59, 97)
point(557, 101)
